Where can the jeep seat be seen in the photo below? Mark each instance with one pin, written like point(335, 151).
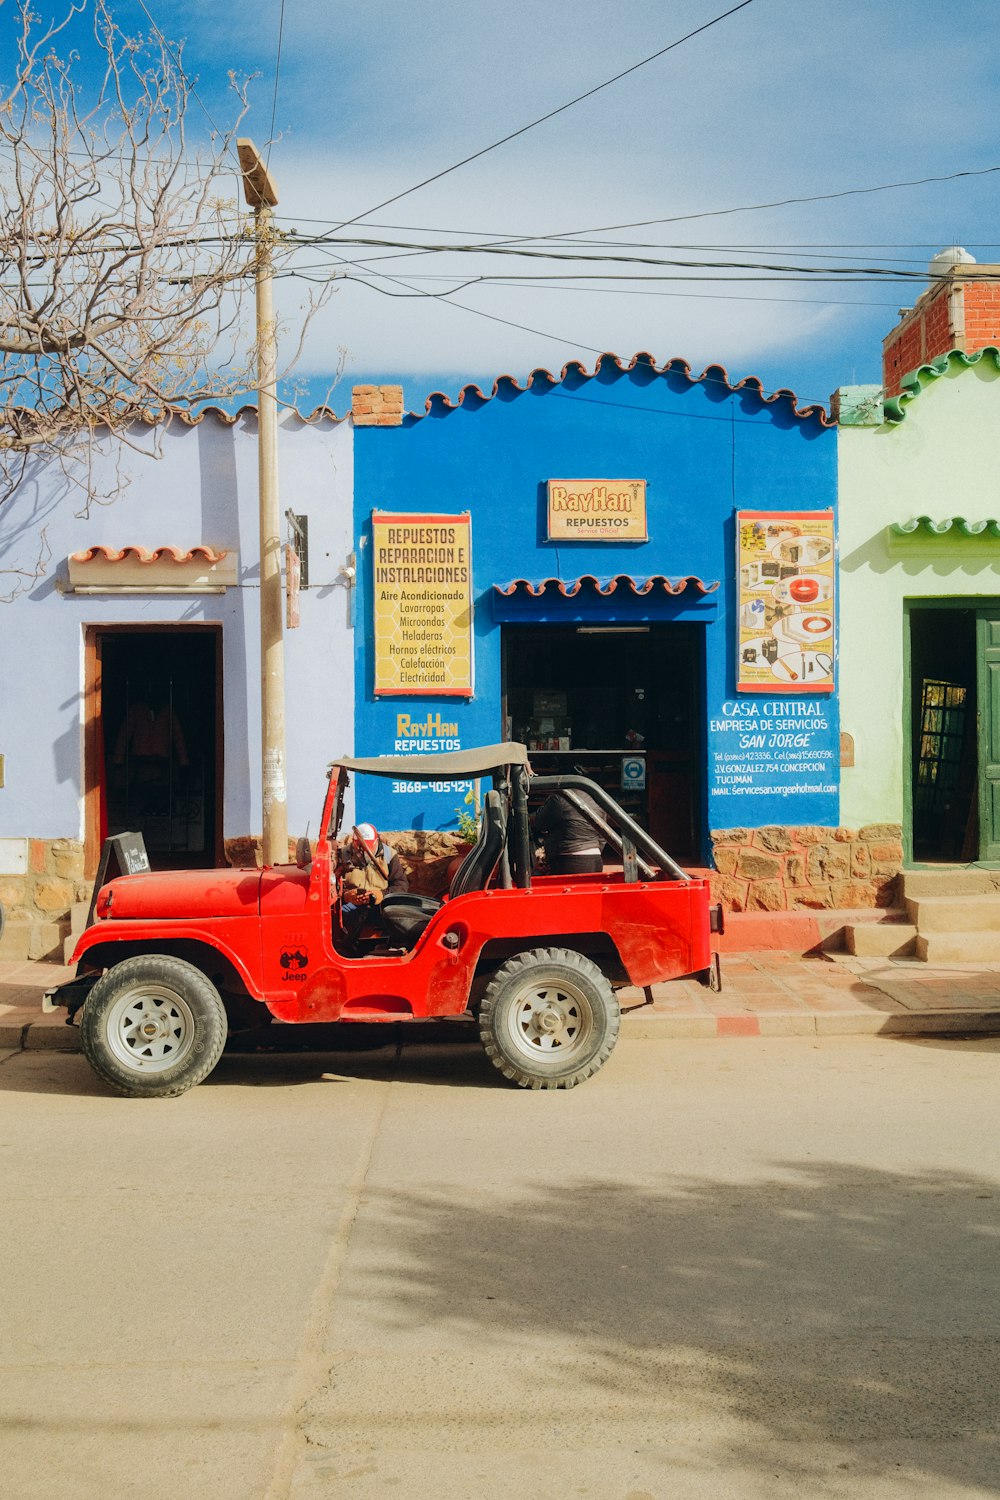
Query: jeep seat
point(405, 916)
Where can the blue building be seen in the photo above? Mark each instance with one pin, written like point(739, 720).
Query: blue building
point(627, 658)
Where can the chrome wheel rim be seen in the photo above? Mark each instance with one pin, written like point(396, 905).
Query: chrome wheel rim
point(551, 1021)
point(151, 1029)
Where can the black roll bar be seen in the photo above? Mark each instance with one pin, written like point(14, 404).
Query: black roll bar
point(520, 840)
point(631, 833)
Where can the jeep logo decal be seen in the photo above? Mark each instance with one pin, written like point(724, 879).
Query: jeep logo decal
point(293, 960)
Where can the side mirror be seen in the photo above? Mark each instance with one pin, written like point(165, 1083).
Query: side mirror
point(303, 853)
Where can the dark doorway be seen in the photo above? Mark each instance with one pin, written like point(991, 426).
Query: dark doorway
point(943, 701)
point(157, 741)
point(592, 696)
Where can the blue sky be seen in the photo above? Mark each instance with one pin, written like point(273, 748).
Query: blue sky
point(781, 100)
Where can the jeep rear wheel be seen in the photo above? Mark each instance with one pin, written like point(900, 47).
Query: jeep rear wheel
point(153, 1027)
point(549, 1019)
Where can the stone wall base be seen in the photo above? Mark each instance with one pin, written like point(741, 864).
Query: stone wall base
point(53, 883)
point(800, 869)
point(426, 856)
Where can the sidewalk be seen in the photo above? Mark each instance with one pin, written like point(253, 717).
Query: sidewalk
point(782, 994)
point(763, 994)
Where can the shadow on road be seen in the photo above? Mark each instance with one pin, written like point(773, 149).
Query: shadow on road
point(456, 1062)
point(282, 1057)
point(970, 1041)
point(830, 1318)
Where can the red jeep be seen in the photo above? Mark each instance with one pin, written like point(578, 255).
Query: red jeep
point(172, 959)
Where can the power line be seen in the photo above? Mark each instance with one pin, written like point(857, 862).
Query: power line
point(519, 251)
point(763, 269)
point(806, 276)
point(613, 291)
point(794, 245)
point(277, 70)
point(542, 118)
point(747, 208)
point(492, 317)
point(409, 250)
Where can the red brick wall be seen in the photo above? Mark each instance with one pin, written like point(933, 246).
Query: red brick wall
point(900, 354)
point(377, 405)
point(938, 331)
point(928, 331)
point(982, 314)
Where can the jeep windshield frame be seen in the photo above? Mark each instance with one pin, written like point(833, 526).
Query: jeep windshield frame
point(506, 764)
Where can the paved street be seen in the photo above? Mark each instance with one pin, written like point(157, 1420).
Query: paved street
point(739, 1267)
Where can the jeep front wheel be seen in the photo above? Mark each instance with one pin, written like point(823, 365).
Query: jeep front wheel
point(153, 1027)
point(549, 1019)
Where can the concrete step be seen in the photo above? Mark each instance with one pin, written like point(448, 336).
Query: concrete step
point(16, 940)
point(958, 947)
point(974, 913)
point(950, 880)
point(28, 937)
point(880, 939)
point(77, 922)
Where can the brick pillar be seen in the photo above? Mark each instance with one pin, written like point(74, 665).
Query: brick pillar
point(377, 405)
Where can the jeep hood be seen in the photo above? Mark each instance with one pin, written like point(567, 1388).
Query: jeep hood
point(179, 894)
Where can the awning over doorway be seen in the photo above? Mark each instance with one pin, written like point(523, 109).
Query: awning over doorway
point(951, 536)
point(156, 570)
point(568, 588)
point(958, 526)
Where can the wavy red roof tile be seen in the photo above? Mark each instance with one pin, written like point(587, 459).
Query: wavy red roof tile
point(570, 587)
point(230, 418)
point(211, 555)
point(716, 374)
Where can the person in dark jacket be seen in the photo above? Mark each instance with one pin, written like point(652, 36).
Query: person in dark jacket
point(369, 870)
point(572, 843)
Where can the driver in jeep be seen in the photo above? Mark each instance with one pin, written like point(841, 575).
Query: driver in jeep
point(369, 869)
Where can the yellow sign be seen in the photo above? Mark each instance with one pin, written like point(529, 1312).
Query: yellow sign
point(786, 591)
point(597, 510)
point(422, 605)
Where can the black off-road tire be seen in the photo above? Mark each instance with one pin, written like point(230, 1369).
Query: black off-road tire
point(549, 1019)
point(153, 1027)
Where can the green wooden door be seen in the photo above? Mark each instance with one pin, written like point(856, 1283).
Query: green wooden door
point(988, 665)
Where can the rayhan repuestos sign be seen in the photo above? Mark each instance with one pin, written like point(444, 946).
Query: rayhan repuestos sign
point(597, 510)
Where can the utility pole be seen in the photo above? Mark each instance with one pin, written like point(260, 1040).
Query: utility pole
point(261, 195)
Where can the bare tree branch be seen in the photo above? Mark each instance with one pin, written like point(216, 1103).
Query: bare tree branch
point(122, 264)
point(15, 581)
